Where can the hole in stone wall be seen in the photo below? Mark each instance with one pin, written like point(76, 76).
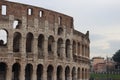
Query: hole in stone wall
point(59, 20)
point(3, 37)
point(29, 11)
point(4, 9)
point(41, 13)
point(17, 24)
point(60, 31)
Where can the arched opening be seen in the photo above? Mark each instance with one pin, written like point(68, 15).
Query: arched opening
point(59, 20)
point(17, 24)
point(40, 46)
point(16, 71)
point(59, 72)
point(67, 48)
point(3, 37)
point(41, 14)
point(78, 74)
point(40, 72)
point(3, 70)
point(78, 49)
point(60, 48)
point(82, 73)
point(50, 72)
point(28, 72)
point(60, 31)
point(83, 50)
point(74, 47)
point(16, 42)
point(29, 42)
point(51, 45)
point(74, 73)
point(67, 73)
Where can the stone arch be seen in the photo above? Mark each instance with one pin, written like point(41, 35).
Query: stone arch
point(85, 74)
point(50, 70)
point(67, 48)
point(28, 72)
point(78, 48)
point(16, 71)
point(51, 45)
point(17, 42)
point(59, 73)
point(3, 71)
point(67, 73)
point(60, 48)
point(60, 31)
point(82, 73)
point(40, 72)
point(74, 47)
point(40, 45)
point(3, 37)
point(74, 73)
point(78, 74)
point(29, 42)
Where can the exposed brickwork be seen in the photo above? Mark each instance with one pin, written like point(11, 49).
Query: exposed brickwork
point(42, 42)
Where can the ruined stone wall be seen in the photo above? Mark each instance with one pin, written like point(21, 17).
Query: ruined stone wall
point(41, 45)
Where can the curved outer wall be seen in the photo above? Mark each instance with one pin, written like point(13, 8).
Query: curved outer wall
point(41, 45)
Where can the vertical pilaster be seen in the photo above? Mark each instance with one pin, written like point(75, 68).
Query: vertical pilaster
point(55, 49)
point(44, 74)
point(9, 72)
point(46, 47)
point(54, 75)
point(22, 72)
point(63, 51)
point(81, 49)
point(23, 47)
point(34, 75)
point(71, 56)
point(35, 48)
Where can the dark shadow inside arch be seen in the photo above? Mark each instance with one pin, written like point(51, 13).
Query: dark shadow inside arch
point(40, 46)
point(16, 71)
point(59, 73)
point(16, 42)
point(28, 72)
point(50, 72)
point(40, 72)
point(3, 70)
point(67, 73)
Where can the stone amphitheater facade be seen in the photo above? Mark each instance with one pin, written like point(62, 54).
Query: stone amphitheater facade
point(41, 45)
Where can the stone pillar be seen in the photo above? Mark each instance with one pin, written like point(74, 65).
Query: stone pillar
point(34, 75)
point(84, 51)
point(35, 48)
point(63, 51)
point(44, 74)
point(55, 49)
point(22, 72)
point(71, 55)
point(81, 49)
point(9, 72)
point(76, 48)
point(70, 76)
point(23, 46)
point(46, 47)
point(81, 74)
point(63, 74)
point(10, 42)
point(54, 75)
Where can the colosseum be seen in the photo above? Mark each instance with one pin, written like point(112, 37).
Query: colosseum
point(41, 44)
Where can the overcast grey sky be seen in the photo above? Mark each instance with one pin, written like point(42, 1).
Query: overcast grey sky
point(100, 17)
